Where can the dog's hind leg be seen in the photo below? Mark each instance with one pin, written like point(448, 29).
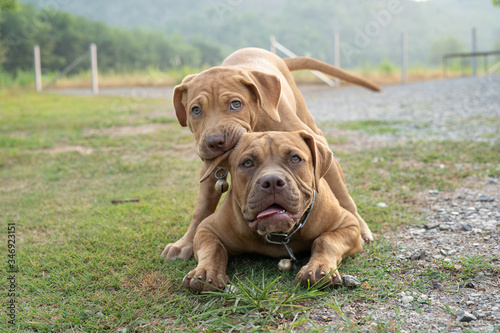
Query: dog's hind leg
point(335, 179)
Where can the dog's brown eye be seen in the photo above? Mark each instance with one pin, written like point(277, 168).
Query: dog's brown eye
point(196, 111)
point(295, 159)
point(235, 105)
point(248, 164)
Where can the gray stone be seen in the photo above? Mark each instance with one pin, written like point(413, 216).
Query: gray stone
point(467, 227)
point(494, 181)
point(470, 285)
point(485, 198)
point(418, 255)
point(465, 317)
point(490, 225)
point(350, 281)
point(407, 299)
point(431, 225)
point(478, 314)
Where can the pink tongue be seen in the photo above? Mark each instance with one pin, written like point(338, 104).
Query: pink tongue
point(270, 211)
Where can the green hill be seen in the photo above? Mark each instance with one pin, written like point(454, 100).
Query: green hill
point(308, 27)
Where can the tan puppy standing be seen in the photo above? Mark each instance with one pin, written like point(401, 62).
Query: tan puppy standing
point(253, 91)
point(274, 179)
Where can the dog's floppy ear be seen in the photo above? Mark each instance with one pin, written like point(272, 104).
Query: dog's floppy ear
point(215, 163)
point(267, 87)
point(322, 156)
point(178, 98)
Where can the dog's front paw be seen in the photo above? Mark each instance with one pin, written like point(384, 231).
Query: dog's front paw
point(366, 235)
point(182, 249)
point(201, 279)
point(313, 273)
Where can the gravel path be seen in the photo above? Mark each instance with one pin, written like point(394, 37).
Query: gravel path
point(461, 227)
point(454, 109)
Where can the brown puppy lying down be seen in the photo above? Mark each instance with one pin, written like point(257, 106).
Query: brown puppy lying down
point(252, 91)
point(275, 177)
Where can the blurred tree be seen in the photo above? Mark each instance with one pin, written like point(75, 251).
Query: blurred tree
point(8, 5)
point(496, 3)
point(210, 54)
point(443, 45)
point(20, 31)
point(5, 5)
point(63, 37)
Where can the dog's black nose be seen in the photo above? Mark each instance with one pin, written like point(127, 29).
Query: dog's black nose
point(216, 142)
point(272, 183)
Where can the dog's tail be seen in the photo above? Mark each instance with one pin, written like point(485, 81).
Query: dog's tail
point(299, 63)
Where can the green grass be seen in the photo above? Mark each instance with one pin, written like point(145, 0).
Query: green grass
point(86, 264)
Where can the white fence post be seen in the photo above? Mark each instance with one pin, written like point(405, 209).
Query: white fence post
point(273, 41)
point(93, 68)
point(336, 54)
point(474, 50)
point(404, 53)
point(38, 68)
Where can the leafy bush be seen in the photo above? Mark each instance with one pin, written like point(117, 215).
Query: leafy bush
point(387, 67)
